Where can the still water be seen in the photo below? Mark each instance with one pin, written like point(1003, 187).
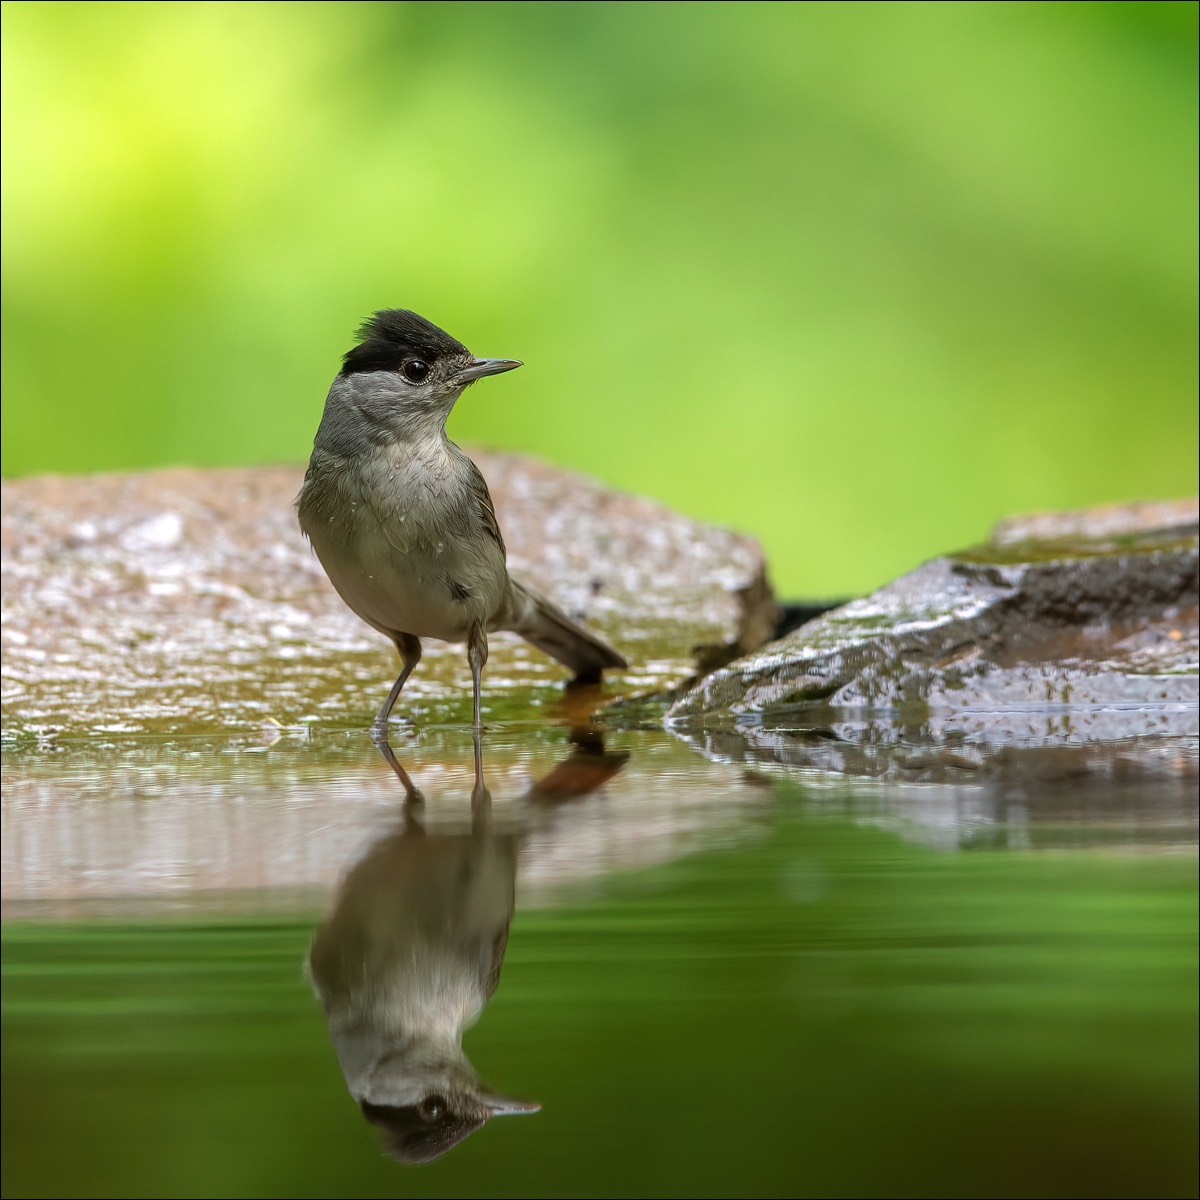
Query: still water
point(610, 966)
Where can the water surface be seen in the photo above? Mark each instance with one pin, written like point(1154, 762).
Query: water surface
point(718, 979)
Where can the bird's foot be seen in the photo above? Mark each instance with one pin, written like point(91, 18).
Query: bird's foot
point(382, 730)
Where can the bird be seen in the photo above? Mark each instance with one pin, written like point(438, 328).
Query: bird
point(401, 519)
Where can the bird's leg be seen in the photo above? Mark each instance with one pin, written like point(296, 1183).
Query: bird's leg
point(477, 655)
point(410, 653)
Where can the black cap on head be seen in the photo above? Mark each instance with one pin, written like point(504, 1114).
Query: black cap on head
point(394, 335)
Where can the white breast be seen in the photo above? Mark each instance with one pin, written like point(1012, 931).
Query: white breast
point(413, 556)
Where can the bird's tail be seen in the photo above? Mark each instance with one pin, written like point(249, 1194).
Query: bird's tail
point(544, 624)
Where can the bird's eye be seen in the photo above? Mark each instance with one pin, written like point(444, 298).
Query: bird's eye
point(433, 1106)
point(415, 370)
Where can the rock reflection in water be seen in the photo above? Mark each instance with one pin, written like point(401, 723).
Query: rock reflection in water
point(1055, 777)
point(411, 953)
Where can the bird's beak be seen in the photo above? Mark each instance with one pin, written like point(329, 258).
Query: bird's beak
point(506, 1106)
point(485, 366)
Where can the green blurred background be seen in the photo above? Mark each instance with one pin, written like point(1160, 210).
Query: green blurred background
point(857, 278)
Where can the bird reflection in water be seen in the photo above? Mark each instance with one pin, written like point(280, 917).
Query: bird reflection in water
point(412, 951)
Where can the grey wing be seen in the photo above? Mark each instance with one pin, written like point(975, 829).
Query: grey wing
point(483, 502)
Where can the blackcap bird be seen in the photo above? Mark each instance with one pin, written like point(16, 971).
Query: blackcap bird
point(401, 518)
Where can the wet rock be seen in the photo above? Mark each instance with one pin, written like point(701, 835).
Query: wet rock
point(187, 600)
point(1066, 611)
point(1155, 517)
